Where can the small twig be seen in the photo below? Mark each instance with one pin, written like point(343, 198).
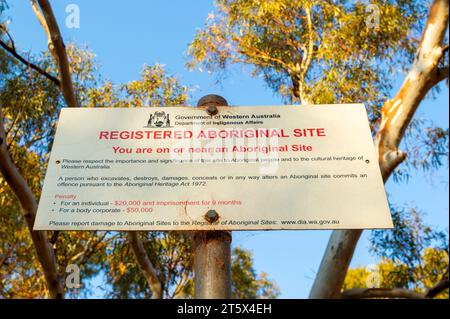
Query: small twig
point(9, 37)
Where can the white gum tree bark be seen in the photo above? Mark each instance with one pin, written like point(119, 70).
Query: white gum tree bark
point(396, 116)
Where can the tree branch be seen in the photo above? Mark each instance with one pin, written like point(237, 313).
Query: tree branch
point(28, 203)
point(258, 54)
point(13, 46)
point(422, 76)
point(57, 49)
point(307, 61)
point(432, 292)
point(45, 15)
point(15, 180)
point(88, 251)
point(439, 287)
point(38, 13)
point(145, 264)
point(359, 293)
point(440, 75)
point(14, 53)
point(396, 116)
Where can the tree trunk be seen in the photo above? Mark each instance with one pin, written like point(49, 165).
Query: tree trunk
point(396, 116)
point(44, 250)
point(57, 49)
point(146, 265)
point(45, 15)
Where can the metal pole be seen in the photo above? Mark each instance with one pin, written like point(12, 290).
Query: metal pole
point(212, 249)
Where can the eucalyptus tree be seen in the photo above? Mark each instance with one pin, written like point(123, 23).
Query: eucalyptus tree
point(316, 52)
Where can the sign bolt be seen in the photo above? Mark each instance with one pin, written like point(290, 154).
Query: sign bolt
point(212, 110)
point(211, 216)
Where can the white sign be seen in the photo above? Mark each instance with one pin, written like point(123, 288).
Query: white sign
point(246, 168)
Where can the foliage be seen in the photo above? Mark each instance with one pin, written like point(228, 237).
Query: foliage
point(409, 238)
point(427, 147)
point(171, 254)
point(306, 51)
point(326, 48)
point(30, 105)
point(246, 284)
point(154, 88)
point(3, 7)
point(391, 274)
point(413, 256)
point(321, 52)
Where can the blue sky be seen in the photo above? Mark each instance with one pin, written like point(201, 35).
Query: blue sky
point(126, 35)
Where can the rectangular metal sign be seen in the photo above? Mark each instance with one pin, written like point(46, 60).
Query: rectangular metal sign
point(246, 168)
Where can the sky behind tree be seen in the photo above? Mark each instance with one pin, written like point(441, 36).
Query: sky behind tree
point(128, 35)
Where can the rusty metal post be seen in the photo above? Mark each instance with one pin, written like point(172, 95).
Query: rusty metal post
point(212, 249)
